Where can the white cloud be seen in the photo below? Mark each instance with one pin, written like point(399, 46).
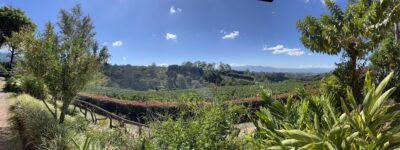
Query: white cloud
point(173, 10)
point(124, 58)
point(280, 49)
point(273, 12)
point(117, 43)
point(231, 35)
point(170, 36)
point(306, 1)
point(309, 54)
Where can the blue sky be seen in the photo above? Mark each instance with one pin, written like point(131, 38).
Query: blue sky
point(237, 32)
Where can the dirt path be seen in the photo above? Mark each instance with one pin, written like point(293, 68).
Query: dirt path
point(7, 141)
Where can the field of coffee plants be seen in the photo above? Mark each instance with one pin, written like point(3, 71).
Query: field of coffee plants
point(206, 94)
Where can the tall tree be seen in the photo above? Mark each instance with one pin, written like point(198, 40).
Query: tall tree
point(353, 33)
point(12, 20)
point(68, 61)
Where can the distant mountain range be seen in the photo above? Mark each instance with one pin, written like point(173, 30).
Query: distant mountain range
point(273, 69)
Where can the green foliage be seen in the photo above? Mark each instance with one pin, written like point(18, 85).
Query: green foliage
point(66, 62)
point(385, 60)
point(40, 130)
point(333, 87)
point(37, 127)
point(198, 127)
point(3, 71)
point(12, 20)
point(354, 32)
point(86, 145)
point(207, 93)
point(314, 123)
point(26, 84)
point(14, 84)
point(189, 75)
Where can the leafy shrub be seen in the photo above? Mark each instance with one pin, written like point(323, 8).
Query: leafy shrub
point(198, 127)
point(387, 59)
point(205, 94)
point(37, 127)
point(314, 123)
point(14, 84)
point(332, 86)
point(115, 138)
point(3, 71)
point(27, 84)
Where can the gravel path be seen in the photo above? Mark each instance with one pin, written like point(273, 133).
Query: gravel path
point(7, 142)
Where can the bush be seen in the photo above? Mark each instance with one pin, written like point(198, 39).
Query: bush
point(198, 127)
point(3, 71)
point(39, 130)
point(27, 84)
point(314, 123)
point(331, 86)
point(14, 84)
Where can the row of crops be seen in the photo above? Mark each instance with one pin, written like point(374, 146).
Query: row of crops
point(204, 94)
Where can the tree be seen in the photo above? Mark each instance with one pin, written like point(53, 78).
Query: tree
point(12, 20)
point(387, 59)
point(353, 33)
point(66, 62)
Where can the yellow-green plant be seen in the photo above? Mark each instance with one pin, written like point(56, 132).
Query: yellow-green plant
point(369, 125)
point(86, 145)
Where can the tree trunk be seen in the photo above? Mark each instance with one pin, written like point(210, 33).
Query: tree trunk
point(354, 79)
point(64, 109)
point(395, 31)
point(12, 57)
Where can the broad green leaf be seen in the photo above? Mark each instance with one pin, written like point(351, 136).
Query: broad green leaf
point(313, 146)
point(383, 84)
point(352, 136)
point(291, 142)
point(381, 99)
point(352, 100)
point(316, 123)
point(300, 135)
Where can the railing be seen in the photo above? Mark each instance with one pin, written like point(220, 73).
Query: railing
point(85, 107)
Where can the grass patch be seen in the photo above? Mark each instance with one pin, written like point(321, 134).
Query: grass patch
point(39, 130)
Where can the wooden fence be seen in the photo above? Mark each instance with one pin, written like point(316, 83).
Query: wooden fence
point(89, 109)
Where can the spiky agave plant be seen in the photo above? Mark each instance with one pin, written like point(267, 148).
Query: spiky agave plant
point(318, 125)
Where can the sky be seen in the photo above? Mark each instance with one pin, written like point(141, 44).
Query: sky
point(236, 32)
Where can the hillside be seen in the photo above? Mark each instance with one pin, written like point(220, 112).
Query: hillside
point(288, 70)
point(191, 75)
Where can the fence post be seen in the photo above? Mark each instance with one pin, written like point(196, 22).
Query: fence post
point(140, 131)
point(74, 109)
point(85, 112)
point(110, 121)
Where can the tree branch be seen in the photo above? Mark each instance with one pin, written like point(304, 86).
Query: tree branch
point(47, 106)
